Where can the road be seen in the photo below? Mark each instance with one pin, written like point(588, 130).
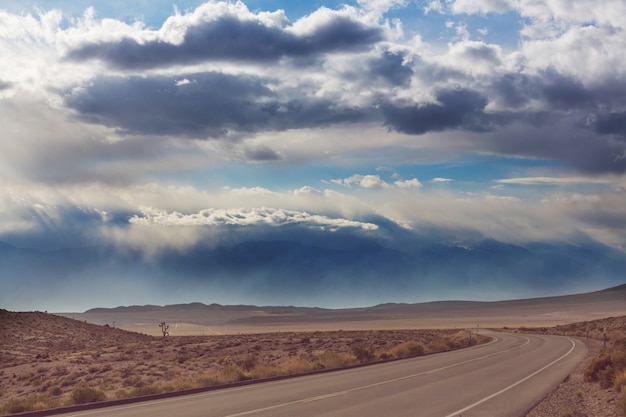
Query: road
point(504, 378)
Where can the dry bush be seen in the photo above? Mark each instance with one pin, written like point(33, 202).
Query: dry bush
point(619, 380)
point(145, 390)
point(207, 380)
point(231, 373)
point(33, 402)
point(298, 365)
point(437, 345)
point(363, 354)
point(85, 395)
point(407, 349)
point(333, 360)
point(609, 368)
point(263, 370)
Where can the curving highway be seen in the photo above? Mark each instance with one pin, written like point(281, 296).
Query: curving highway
point(504, 378)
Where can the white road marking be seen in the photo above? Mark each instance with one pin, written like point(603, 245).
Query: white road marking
point(469, 407)
point(336, 394)
point(319, 397)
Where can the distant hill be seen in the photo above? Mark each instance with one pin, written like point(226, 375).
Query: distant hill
point(557, 309)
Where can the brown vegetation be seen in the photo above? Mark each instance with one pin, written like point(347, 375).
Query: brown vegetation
point(50, 361)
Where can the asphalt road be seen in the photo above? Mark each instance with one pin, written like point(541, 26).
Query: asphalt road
point(503, 378)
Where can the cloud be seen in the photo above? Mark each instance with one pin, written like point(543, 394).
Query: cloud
point(392, 68)
point(247, 218)
point(212, 105)
point(229, 31)
point(363, 181)
point(556, 180)
point(482, 7)
point(455, 109)
point(611, 123)
point(413, 183)
point(441, 180)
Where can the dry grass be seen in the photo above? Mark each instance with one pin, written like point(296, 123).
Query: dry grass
point(50, 361)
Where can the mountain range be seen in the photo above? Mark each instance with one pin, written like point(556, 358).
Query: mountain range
point(346, 272)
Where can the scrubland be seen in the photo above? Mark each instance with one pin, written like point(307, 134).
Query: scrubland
point(49, 361)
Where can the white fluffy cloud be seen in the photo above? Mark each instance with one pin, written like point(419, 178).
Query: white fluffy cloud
point(81, 111)
point(412, 183)
point(244, 217)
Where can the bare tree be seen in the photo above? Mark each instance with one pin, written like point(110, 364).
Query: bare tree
point(164, 328)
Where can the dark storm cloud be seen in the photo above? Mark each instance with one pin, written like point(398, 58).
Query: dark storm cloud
point(390, 66)
point(455, 109)
point(565, 92)
point(200, 105)
point(229, 38)
point(515, 90)
point(262, 154)
point(612, 123)
point(559, 91)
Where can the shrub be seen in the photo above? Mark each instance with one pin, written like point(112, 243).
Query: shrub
point(85, 395)
point(363, 354)
point(249, 363)
point(33, 402)
point(619, 380)
point(145, 390)
point(408, 349)
point(609, 369)
point(332, 360)
point(232, 373)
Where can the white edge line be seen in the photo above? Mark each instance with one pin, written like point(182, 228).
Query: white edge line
point(469, 407)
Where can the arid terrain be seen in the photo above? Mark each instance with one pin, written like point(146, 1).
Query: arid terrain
point(48, 360)
point(200, 319)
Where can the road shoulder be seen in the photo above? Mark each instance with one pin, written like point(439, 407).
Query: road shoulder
point(576, 398)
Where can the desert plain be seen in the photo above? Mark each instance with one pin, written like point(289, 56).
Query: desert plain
point(52, 360)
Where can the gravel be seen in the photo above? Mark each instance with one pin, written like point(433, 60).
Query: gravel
point(576, 398)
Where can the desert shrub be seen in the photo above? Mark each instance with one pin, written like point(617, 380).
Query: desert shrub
point(207, 381)
point(85, 395)
point(232, 373)
point(298, 365)
point(249, 363)
point(263, 370)
point(332, 360)
point(609, 369)
point(363, 354)
point(55, 390)
point(437, 345)
point(120, 394)
point(33, 402)
point(145, 390)
point(405, 349)
point(619, 380)
point(134, 381)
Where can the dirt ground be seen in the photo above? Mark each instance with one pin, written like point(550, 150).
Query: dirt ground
point(45, 358)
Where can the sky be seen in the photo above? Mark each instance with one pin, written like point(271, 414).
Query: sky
point(170, 132)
